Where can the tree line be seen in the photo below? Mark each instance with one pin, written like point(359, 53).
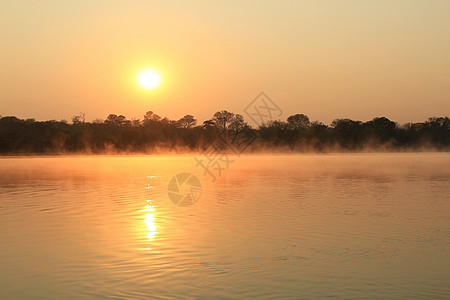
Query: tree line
point(153, 134)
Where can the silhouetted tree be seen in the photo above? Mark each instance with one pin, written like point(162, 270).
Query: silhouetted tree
point(79, 119)
point(188, 121)
point(348, 133)
point(298, 121)
point(208, 124)
point(150, 118)
point(116, 120)
point(222, 119)
point(238, 123)
point(380, 129)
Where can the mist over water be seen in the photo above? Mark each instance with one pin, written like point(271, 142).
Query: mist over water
point(270, 226)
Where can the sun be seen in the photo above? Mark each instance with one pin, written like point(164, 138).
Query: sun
point(149, 79)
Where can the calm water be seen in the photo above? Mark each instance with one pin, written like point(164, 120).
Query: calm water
point(279, 227)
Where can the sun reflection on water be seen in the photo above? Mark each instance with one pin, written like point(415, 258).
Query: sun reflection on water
point(149, 219)
point(149, 209)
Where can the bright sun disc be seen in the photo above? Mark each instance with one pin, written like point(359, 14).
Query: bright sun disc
point(149, 79)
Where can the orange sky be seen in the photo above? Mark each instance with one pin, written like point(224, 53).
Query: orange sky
point(326, 59)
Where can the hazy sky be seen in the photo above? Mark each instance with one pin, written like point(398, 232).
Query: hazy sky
point(326, 59)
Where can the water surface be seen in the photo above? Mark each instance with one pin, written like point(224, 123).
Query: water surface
point(276, 227)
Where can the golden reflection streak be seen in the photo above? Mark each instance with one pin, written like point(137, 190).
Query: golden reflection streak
point(149, 219)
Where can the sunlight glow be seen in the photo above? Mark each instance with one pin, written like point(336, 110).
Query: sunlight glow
point(149, 79)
